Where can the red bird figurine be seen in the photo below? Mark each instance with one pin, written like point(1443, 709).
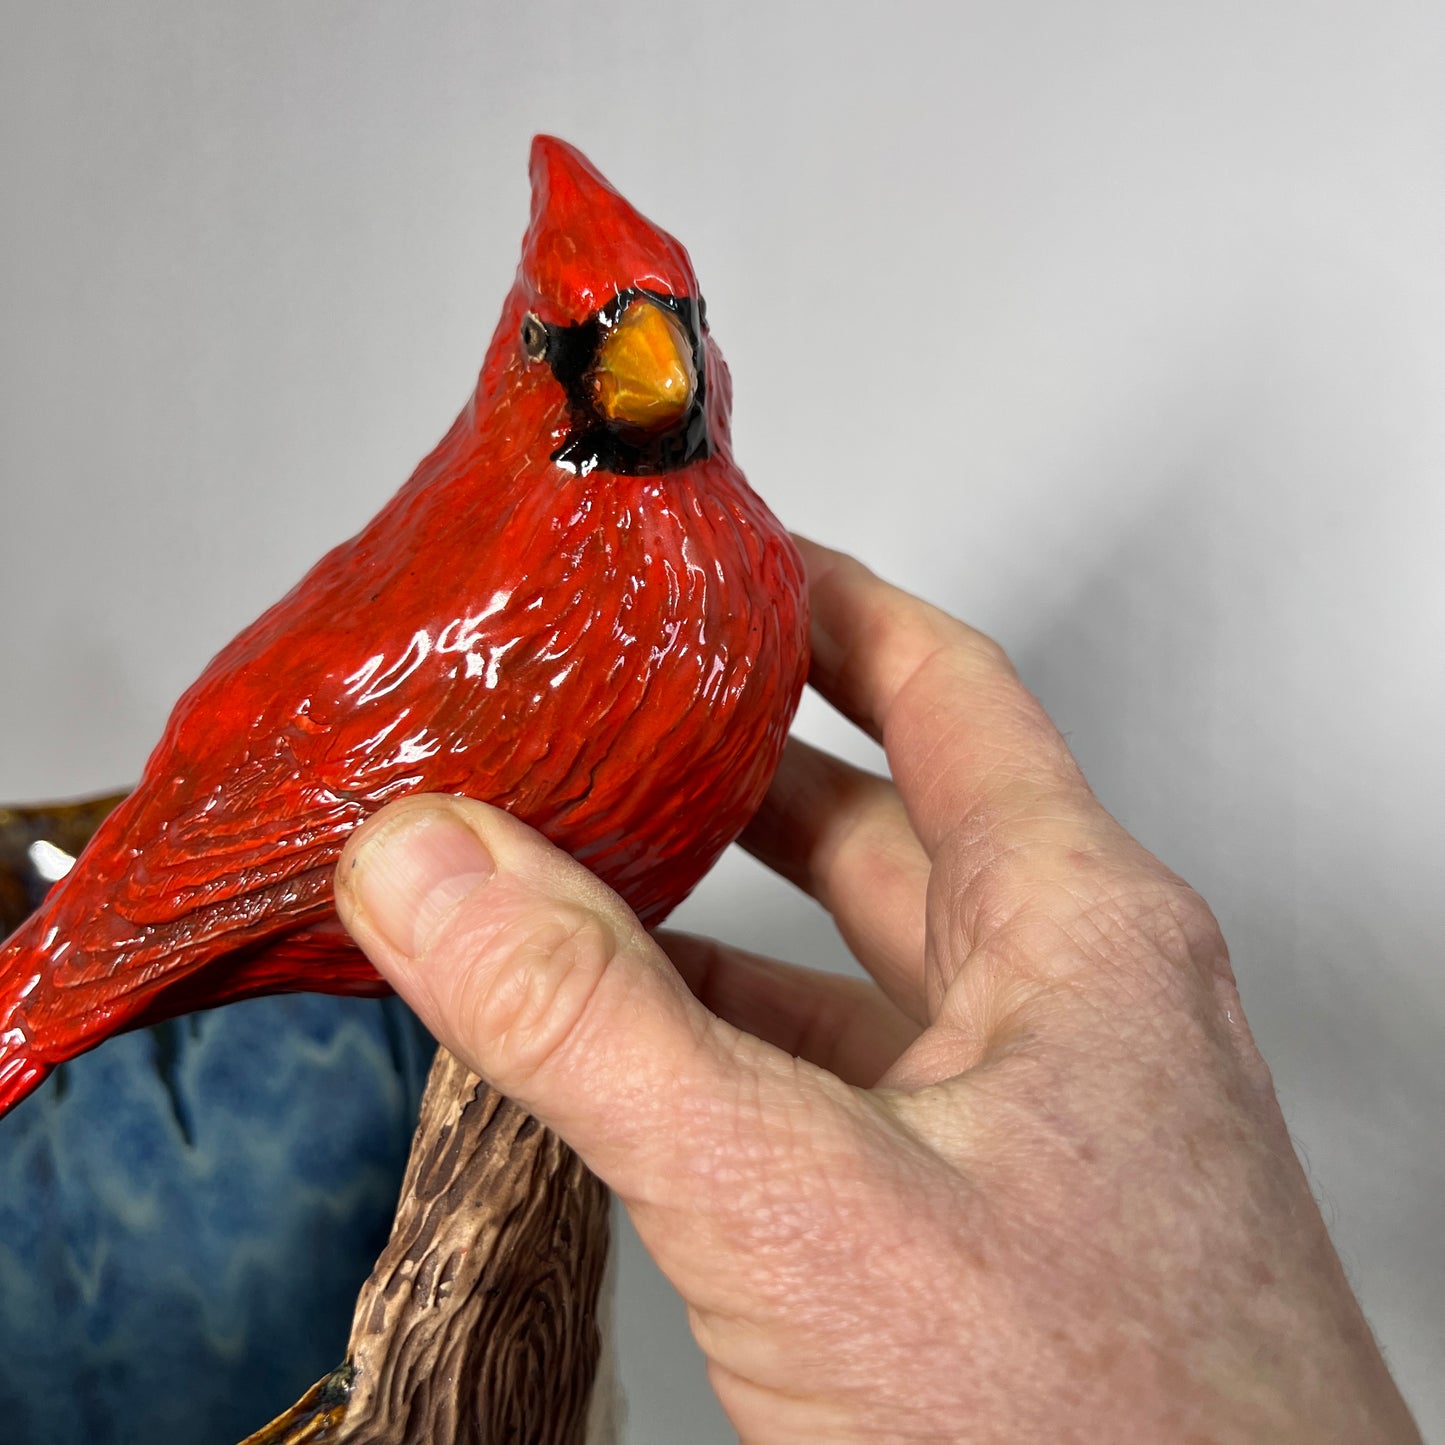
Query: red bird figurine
point(575, 609)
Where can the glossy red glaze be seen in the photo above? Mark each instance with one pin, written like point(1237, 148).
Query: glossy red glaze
point(614, 658)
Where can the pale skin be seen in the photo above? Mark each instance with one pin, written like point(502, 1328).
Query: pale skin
point(1032, 1183)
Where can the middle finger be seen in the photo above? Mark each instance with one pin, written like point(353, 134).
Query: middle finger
point(842, 835)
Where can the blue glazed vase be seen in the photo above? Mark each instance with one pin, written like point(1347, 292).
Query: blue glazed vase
point(187, 1212)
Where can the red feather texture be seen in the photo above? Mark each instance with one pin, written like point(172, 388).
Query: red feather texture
point(614, 658)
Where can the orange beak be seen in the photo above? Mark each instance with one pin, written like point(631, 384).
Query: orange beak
point(644, 377)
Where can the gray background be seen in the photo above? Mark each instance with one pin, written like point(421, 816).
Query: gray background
point(1118, 329)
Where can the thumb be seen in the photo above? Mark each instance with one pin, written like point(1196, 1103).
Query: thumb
point(541, 980)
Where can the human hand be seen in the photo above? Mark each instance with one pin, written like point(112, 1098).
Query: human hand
point(1034, 1184)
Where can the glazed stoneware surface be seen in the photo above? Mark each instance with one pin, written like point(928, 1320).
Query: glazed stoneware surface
point(576, 608)
point(187, 1212)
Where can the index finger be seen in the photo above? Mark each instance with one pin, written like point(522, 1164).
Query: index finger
point(964, 737)
point(1032, 883)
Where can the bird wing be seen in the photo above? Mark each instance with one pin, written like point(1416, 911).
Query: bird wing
point(232, 836)
point(249, 859)
point(298, 731)
point(278, 754)
point(137, 920)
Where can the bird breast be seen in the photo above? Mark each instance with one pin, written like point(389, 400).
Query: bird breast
point(618, 669)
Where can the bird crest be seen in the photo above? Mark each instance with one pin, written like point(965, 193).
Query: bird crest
point(586, 243)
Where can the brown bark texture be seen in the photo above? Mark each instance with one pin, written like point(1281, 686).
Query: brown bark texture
point(66, 826)
point(478, 1325)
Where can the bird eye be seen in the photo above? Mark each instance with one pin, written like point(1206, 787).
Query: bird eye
point(702, 312)
point(534, 337)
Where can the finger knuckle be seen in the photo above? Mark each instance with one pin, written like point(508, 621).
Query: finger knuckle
point(527, 1009)
point(985, 652)
point(1054, 898)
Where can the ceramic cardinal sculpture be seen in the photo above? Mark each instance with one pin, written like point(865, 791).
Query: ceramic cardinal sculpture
point(575, 609)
